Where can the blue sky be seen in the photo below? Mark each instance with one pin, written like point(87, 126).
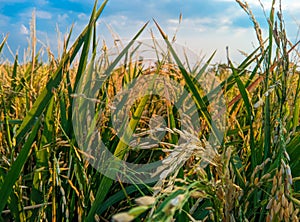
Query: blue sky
point(207, 25)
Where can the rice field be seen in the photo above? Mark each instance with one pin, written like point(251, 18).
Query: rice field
point(107, 135)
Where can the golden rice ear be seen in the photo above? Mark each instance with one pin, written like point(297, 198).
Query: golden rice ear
point(145, 200)
point(122, 217)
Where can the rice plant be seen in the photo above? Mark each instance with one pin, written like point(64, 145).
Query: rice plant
point(247, 171)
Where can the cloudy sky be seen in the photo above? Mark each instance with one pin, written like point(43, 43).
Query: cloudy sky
point(207, 25)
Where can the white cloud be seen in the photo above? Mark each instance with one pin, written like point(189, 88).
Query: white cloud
point(122, 22)
point(287, 5)
point(265, 3)
point(40, 14)
point(86, 1)
point(42, 2)
point(24, 30)
point(82, 16)
point(4, 20)
point(81, 1)
point(62, 17)
point(293, 9)
point(43, 14)
point(203, 24)
point(205, 43)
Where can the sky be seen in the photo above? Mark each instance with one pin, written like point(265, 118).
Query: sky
point(206, 25)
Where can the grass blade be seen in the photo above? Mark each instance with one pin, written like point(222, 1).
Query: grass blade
point(17, 167)
point(244, 95)
point(3, 42)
